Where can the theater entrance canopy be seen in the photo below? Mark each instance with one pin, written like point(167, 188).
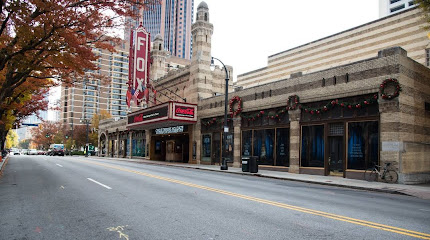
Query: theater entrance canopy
point(163, 115)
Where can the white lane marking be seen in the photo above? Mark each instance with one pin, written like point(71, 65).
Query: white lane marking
point(58, 165)
point(425, 210)
point(101, 184)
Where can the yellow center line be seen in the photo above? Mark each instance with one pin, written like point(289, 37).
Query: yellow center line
point(375, 225)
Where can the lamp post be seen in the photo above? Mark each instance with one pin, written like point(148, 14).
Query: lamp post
point(224, 165)
point(86, 121)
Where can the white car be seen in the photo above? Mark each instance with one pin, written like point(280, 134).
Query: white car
point(32, 152)
point(15, 151)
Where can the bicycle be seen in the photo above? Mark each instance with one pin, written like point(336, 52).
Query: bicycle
point(386, 175)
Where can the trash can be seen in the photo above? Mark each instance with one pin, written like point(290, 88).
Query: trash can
point(245, 164)
point(253, 164)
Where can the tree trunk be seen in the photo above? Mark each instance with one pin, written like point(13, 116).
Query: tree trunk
point(3, 135)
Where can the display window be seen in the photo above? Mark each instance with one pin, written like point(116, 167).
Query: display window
point(363, 145)
point(312, 147)
point(282, 147)
point(271, 146)
point(138, 147)
point(264, 146)
point(247, 143)
point(206, 147)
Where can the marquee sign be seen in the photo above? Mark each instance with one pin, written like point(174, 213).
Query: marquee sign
point(163, 115)
point(183, 111)
point(170, 130)
point(154, 114)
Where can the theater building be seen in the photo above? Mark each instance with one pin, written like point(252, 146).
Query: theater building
point(331, 117)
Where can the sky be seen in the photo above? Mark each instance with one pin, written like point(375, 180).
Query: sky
point(247, 32)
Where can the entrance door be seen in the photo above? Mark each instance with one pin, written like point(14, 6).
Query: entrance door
point(216, 148)
point(206, 148)
point(335, 155)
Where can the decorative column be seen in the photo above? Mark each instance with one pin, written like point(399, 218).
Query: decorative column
point(107, 144)
point(237, 124)
point(294, 116)
point(148, 136)
point(118, 145)
point(392, 144)
point(196, 138)
point(99, 145)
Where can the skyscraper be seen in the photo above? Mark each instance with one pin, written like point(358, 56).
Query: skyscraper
point(388, 7)
point(172, 20)
point(90, 95)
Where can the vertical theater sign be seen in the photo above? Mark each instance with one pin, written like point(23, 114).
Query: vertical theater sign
point(138, 66)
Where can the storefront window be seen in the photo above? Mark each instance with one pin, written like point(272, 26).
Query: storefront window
point(228, 147)
point(138, 147)
point(264, 145)
point(282, 147)
point(157, 147)
point(312, 146)
point(216, 146)
point(363, 145)
point(206, 147)
point(247, 143)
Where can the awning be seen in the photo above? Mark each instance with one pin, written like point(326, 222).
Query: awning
point(163, 115)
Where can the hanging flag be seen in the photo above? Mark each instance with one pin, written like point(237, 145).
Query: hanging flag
point(155, 95)
point(136, 97)
point(128, 99)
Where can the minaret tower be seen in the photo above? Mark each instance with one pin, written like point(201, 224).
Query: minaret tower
point(201, 80)
point(158, 55)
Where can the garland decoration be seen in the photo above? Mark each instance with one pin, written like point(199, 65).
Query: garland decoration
point(239, 105)
point(214, 120)
point(387, 82)
point(276, 114)
point(331, 104)
point(293, 102)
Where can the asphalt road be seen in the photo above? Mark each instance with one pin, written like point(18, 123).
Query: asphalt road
point(43, 197)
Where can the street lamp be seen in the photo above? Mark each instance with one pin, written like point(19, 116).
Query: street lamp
point(86, 121)
point(224, 165)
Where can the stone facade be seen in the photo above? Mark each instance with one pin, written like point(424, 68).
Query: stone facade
point(404, 121)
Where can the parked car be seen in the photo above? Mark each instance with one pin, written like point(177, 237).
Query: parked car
point(40, 152)
point(15, 151)
point(32, 152)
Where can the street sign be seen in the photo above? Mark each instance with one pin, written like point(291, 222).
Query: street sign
point(30, 124)
point(91, 148)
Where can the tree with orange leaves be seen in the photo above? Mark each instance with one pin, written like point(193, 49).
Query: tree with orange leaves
point(51, 39)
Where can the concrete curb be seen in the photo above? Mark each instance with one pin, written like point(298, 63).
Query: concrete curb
point(4, 164)
point(391, 191)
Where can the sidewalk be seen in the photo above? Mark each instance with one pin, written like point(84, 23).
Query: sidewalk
point(420, 191)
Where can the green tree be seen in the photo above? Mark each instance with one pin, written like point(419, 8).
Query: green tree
point(12, 139)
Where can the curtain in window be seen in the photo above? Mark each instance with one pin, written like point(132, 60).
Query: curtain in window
point(312, 154)
point(355, 147)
